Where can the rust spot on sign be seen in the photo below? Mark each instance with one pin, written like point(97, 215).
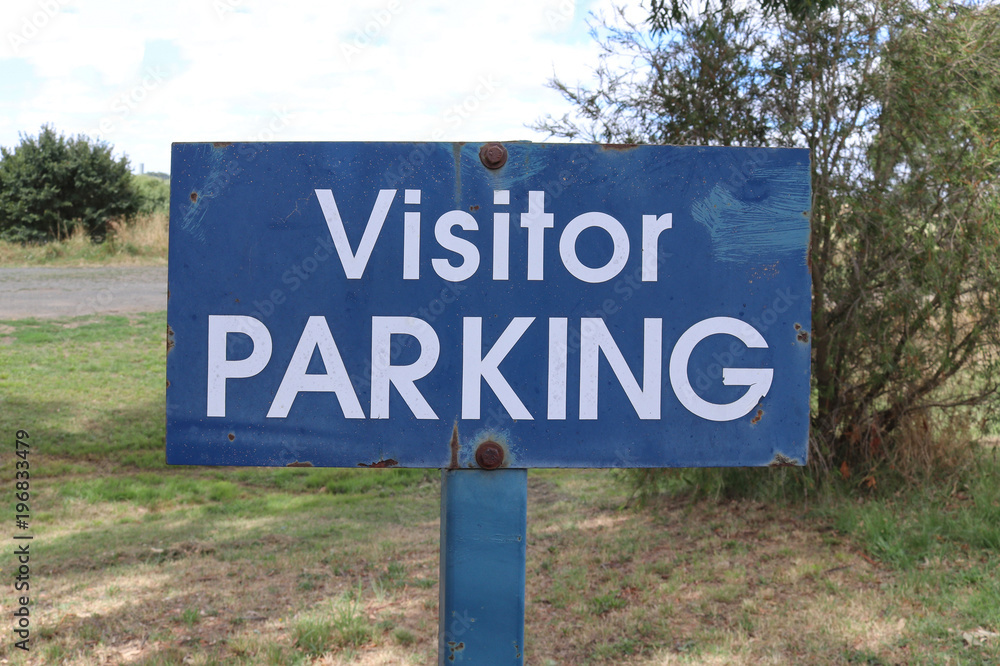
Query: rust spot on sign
point(231, 436)
point(454, 647)
point(454, 447)
point(194, 197)
point(304, 463)
point(803, 336)
point(618, 146)
point(473, 208)
point(758, 416)
point(387, 462)
point(170, 338)
point(221, 144)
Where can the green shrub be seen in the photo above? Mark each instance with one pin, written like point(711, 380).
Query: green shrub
point(51, 185)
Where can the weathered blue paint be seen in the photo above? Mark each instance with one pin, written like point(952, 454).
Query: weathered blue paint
point(249, 237)
point(765, 217)
point(484, 524)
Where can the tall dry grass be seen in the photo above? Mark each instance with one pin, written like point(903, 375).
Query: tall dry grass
point(140, 242)
point(147, 235)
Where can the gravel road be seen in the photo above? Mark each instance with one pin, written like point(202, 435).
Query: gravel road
point(71, 292)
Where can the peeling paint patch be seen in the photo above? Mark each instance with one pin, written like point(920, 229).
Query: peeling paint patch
point(304, 463)
point(781, 460)
point(385, 462)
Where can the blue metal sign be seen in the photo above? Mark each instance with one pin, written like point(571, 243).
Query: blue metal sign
point(345, 304)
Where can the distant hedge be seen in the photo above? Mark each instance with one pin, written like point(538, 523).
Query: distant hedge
point(154, 193)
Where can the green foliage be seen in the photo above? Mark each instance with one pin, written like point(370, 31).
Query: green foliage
point(666, 14)
point(51, 184)
point(700, 86)
point(908, 258)
point(154, 194)
point(899, 104)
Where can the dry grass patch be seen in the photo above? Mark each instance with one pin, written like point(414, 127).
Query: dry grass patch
point(732, 583)
point(141, 242)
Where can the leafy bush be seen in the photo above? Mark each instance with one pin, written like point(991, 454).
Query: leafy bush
point(51, 184)
point(897, 102)
point(154, 194)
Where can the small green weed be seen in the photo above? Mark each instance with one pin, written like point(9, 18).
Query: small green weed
point(313, 635)
point(404, 637)
point(606, 603)
point(345, 625)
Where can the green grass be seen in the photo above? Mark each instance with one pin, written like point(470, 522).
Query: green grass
point(932, 522)
point(606, 603)
point(342, 626)
point(943, 542)
point(87, 390)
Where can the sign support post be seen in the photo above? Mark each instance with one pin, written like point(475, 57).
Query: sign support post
point(484, 523)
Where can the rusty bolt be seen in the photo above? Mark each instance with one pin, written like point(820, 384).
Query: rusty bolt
point(489, 455)
point(493, 155)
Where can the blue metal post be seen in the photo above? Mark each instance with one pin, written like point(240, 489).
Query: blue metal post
point(484, 523)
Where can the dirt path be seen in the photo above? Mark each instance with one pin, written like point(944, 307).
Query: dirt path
point(71, 292)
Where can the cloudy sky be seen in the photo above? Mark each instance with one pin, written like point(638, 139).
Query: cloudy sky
point(142, 74)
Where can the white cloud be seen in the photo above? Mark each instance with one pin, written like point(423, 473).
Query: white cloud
point(247, 69)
